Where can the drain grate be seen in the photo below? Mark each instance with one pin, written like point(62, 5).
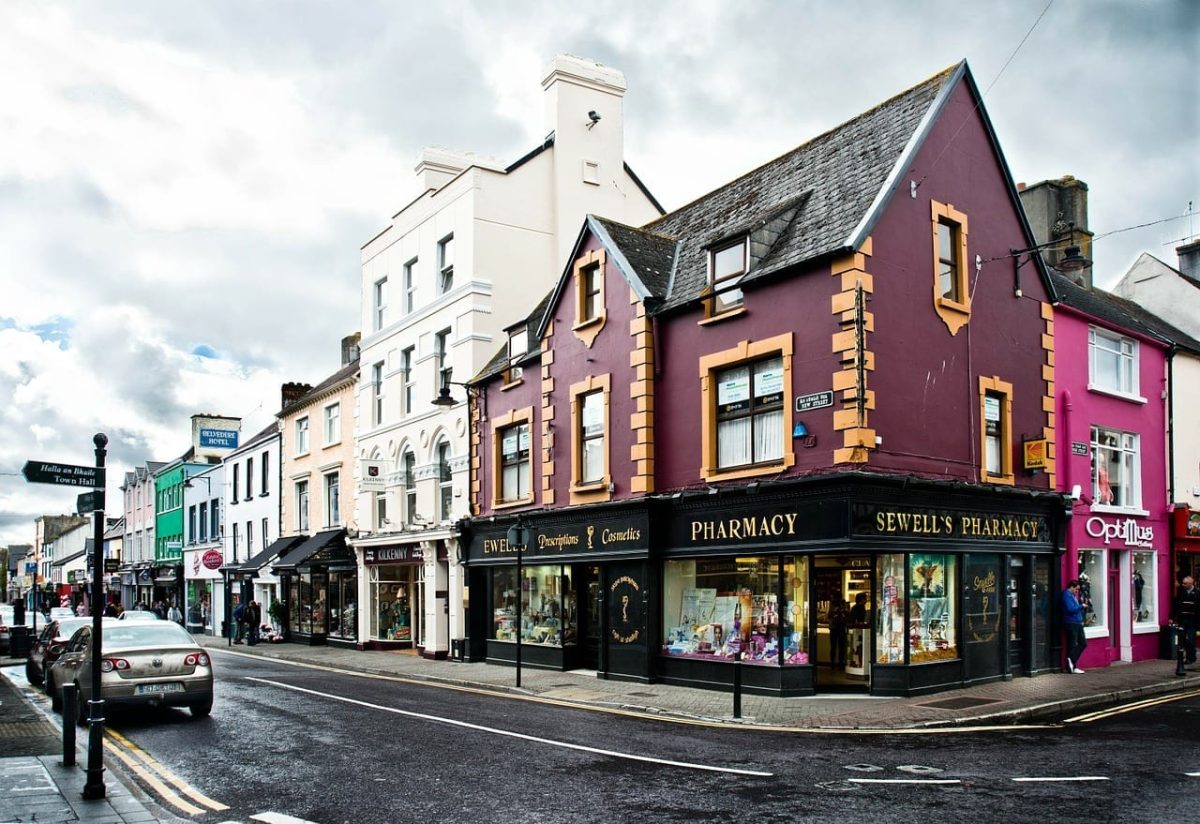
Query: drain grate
point(959, 703)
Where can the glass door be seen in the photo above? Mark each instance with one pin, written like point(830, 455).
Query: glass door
point(1018, 616)
point(592, 623)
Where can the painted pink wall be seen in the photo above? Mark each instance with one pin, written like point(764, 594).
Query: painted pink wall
point(1147, 420)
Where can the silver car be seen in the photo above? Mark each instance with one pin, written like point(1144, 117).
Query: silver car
point(142, 663)
point(7, 619)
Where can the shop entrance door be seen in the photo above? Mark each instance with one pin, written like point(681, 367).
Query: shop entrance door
point(843, 585)
point(590, 618)
point(1018, 616)
point(1116, 616)
point(417, 606)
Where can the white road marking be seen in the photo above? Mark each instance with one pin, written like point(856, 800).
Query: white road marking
point(904, 780)
point(1193, 775)
point(563, 744)
point(1063, 778)
point(280, 818)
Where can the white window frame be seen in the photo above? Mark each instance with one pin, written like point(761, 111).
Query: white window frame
point(408, 465)
point(441, 355)
point(332, 490)
point(408, 358)
point(379, 302)
point(302, 506)
point(410, 286)
point(379, 510)
point(301, 437)
point(1129, 447)
point(445, 482)
point(446, 264)
point(332, 418)
point(1104, 343)
point(377, 393)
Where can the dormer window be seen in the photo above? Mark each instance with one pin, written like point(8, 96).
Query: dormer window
point(726, 266)
point(518, 345)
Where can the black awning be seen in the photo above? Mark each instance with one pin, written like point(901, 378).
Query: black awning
point(278, 548)
point(319, 550)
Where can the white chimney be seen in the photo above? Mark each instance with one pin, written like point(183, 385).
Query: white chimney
point(436, 166)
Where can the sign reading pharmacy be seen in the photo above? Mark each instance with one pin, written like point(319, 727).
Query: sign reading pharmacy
point(218, 438)
point(921, 522)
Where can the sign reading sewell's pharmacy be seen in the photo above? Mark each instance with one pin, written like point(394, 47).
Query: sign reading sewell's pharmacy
point(920, 522)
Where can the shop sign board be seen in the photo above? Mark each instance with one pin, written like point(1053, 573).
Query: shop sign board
point(928, 522)
point(111, 564)
point(1035, 453)
point(1128, 531)
point(218, 438)
point(212, 559)
point(407, 554)
point(553, 538)
point(373, 476)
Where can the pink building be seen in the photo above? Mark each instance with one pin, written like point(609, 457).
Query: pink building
point(1111, 376)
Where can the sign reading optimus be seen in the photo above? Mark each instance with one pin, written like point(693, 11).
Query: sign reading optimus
point(218, 438)
point(1127, 530)
point(44, 472)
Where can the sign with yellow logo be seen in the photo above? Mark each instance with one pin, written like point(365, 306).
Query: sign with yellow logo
point(1036, 453)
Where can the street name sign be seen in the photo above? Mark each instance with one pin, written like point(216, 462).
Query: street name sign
point(45, 472)
point(89, 502)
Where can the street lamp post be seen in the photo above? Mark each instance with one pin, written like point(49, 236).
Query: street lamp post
point(518, 536)
point(93, 788)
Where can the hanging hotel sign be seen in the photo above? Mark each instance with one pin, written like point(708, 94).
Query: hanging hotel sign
point(1128, 530)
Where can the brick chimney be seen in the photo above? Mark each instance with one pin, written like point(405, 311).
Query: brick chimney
point(1058, 210)
point(292, 392)
point(350, 348)
point(1189, 259)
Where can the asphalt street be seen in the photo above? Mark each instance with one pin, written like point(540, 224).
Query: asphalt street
point(327, 747)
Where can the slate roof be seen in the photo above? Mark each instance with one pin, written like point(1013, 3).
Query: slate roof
point(499, 361)
point(830, 185)
point(651, 255)
point(1120, 312)
point(343, 374)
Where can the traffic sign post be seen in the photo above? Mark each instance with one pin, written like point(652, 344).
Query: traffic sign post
point(60, 474)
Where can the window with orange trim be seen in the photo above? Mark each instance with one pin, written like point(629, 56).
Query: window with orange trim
point(995, 407)
point(951, 283)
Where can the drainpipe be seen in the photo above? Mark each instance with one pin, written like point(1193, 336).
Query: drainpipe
point(1171, 426)
point(1066, 439)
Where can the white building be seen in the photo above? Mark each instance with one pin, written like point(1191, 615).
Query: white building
point(203, 551)
point(251, 494)
point(475, 252)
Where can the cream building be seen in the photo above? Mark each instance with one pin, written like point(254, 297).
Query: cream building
point(318, 584)
point(442, 283)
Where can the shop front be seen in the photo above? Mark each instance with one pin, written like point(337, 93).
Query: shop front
point(202, 576)
point(320, 581)
point(168, 585)
point(1185, 543)
point(578, 595)
point(257, 578)
point(857, 584)
point(395, 594)
point(1123, 567)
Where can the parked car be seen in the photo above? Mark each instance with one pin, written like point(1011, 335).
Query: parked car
point(56, 613)
point(138, 615)
point(49, 645)
point(143, 663)
point(7, 619)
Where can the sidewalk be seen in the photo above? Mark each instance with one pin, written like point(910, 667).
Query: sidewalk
point(34, 786)
point(1001, 702)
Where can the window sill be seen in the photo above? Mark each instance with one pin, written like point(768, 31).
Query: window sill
point(332, 443)
point(1113, 393)
point(1145, 629)
point(512, 504)
point(586, 324)
point(954, 306)
point(1004, 480)
point(733, 473)
point(511, 384)
point(303, 454)
point(1095, 632)
point(728, 314)
point(590, 486)
point(1120, 510)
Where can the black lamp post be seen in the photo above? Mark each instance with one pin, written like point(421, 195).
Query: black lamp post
point(518, 536)
point(93, 788)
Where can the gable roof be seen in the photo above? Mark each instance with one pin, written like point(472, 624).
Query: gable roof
point(339, 377)
point(1122, 313)
point(820, 199)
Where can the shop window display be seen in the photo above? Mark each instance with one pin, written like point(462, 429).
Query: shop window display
point(931, 587)
point(307, 604)
point(890, 595)
point(545, 619)
point(1144, 586)
point(391, 616)
point(726, 607)
point(343, 616)
point(795, 612)
point(1093, 580)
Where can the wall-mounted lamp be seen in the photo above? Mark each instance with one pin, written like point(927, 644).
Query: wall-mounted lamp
point(187, 482)
point(1071, 261)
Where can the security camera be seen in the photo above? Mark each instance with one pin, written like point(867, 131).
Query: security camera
point(1076, 492)
point(594, 116)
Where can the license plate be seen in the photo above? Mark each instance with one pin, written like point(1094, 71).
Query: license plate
point(154, 689)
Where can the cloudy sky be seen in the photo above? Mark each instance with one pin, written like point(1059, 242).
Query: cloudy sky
point(179, 180)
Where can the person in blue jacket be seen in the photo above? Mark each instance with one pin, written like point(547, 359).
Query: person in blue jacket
point(1072, 610)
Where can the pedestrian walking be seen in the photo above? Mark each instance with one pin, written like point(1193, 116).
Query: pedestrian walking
point(173, 614)
point(238, 613)
point(1072, 609)
point(253, 619)
point(1184, 611)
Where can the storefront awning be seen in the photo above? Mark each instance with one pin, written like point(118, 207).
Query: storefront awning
point(321, 549)
point(278, 549)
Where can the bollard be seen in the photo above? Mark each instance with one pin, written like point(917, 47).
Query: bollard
point(70, 711)
point(1179, 670)
point(737, 686)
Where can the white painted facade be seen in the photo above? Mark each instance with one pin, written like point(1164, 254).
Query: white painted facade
point(1163, 290)
point(251, 514)
point(203, 492)
point(511, 229)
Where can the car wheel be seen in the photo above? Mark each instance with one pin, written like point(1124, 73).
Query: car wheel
point(32, 675)
point(202, 709)
point(55, 695)
point(81, 708)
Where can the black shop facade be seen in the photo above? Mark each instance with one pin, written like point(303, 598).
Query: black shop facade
point(579, 595)
point(853, 584)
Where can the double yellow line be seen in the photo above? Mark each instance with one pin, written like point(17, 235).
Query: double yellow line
point(178, 794)
point(1136, 705)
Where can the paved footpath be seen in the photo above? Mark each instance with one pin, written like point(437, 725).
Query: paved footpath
point(34, 786)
